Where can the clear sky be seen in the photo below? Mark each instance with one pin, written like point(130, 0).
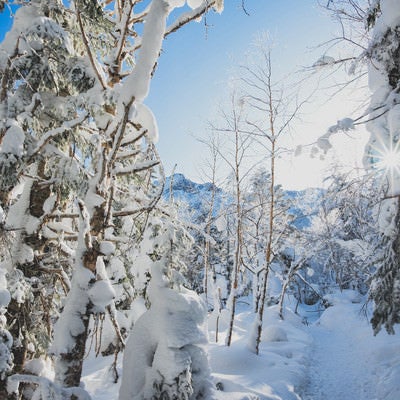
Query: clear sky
point(197, 62)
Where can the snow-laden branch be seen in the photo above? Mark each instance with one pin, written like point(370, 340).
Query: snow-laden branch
point(47, 389)
point(92, 59)
point(122, 155)
point(138, 82)
point(135, 168)
point(194, 14)
point(67, 126)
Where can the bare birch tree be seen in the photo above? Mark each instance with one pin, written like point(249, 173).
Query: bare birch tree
point(271, 112)
point(211, 176)
point(235, 154)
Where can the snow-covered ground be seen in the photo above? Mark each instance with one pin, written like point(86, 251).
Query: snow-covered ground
point(276, 372)
point(313, 356)
point(346, 361)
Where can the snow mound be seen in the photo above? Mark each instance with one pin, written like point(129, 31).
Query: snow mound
point(101, 294)
point(344, 297)
point(274, 333)
point(278, 372)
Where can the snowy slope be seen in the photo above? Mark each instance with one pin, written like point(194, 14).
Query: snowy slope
point(335, 357)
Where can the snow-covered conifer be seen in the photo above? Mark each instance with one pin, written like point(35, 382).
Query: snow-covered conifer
point(164, 357)
point(77, 158)
point(38, 119)
point(384, 80)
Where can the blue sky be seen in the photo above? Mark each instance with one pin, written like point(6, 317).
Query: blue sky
point(195, 68)
point(197, 62)
point(5, 22)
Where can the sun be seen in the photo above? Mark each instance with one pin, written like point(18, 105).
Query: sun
point(387, 164)
point(389, 160)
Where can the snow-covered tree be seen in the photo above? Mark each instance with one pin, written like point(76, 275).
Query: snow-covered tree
point(40, 112)
point(271, 112)
point(237, 144)
point(164, 357)
point(383, 150)
point(345, 233)
point(380, 19)
point(257, 225)
point(77, 156)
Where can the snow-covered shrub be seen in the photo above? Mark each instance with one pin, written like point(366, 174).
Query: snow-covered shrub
point(164, 357)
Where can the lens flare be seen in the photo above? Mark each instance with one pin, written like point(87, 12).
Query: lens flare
point(386, 161)
point(389, 160)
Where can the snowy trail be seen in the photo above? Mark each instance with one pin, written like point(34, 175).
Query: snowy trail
point(339, 367)
point(345, 360)
point(336, 358)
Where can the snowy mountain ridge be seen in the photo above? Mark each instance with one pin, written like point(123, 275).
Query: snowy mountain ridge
point(196, 196)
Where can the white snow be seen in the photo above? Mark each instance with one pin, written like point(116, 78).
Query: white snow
point(5, 296)
point(324, 143)
point(71, 325)
point(101, 294)
point(39, 367)
point(276, 373)
point(194, 3)
point(347, 362)
point(145, 117)
point(390, 13)
point(138, 83)
point(13, 141)
point(48, 205)
point(303, 357)
point(176, 3)
point(274, 333)
point(324, 61)
point(107, 248)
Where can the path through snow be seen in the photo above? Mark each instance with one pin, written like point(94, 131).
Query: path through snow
point(336, 358)
point(339, 366)
point(346, 359)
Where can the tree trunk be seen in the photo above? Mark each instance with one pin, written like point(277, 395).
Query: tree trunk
point(19, 314)
point(239, 239)
point(73, 360)
point(268, 250)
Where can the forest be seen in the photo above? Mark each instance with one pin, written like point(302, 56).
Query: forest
point(120, 281)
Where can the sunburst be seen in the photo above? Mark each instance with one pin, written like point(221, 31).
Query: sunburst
point(386, 160)
point(389, 160)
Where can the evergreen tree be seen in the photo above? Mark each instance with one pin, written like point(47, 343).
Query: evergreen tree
point(384, 78)
point(77, 138)
point(42, 74)
point(380, 20)
point(164, 358)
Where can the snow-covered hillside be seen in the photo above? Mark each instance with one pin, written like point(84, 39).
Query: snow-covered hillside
point(316, 355)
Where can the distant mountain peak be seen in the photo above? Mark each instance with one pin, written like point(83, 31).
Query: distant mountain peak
point(181, 183)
